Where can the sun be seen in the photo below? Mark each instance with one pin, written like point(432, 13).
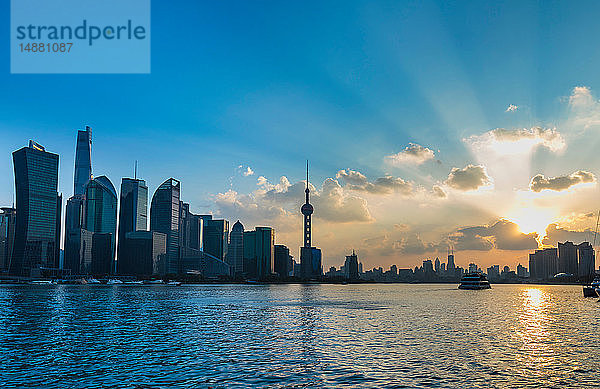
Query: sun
point(532, 219)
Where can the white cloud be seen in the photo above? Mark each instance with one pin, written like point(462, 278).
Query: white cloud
point(471, 177)
point(355, 180)
point(413, 154)
point(517, 140)
point(512, 108)
point(540, 182)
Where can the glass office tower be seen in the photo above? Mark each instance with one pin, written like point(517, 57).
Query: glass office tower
point(133, 213)
point(100, 212)
point(36, 184)
point(83, 161)
point(164, 217)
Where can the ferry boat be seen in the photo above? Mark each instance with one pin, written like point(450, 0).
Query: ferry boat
point(474, 281)
point(114, 281)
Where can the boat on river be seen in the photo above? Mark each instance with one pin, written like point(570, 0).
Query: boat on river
point(474, 281)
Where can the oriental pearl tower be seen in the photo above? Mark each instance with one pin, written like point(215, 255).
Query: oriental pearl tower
point(310, 257)
point(307, 210)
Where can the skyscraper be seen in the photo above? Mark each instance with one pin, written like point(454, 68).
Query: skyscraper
point(100, 216)
point(351, 267)
point(587, 261)
point(259, 252)
point(74, 210)
point(7, 236)
point(567, 258)
point(83, 161)
point(282, 261)
point(191, 231)
point(36, 184)
point(216, 237)
point(164, 217)
point(310, 257)
point(235, 255)
point(133, 211)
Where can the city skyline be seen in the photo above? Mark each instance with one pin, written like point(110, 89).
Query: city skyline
point(460, 144)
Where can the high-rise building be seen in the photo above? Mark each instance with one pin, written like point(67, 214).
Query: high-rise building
point(437, 265)
point(74, 210)
point(282, 261)
point(543, 264)
point(567, 258)
point(100, 212)
point(235, 254)
point(8, 218)
point(83, 161)
point(259, 252)
point(191, 231)
point(310, 257)
point(36, 184)
point(133, 210)
point(522, 271)
point(216, 237)
point(351, 267)
point(164, 218)
point(144, 254)
point(587, 261)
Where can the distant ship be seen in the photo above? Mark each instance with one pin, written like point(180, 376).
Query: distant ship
point(474, 281)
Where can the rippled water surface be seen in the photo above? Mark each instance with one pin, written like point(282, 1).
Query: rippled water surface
point(298, 335)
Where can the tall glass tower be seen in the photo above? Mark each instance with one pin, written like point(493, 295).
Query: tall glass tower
point(83, 161)
point(74, 209)
point(164, 217)
point(100, 213)
point(36, 184)
point(133, 213)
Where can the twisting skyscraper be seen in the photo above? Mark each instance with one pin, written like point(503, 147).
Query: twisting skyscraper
point(310, 257)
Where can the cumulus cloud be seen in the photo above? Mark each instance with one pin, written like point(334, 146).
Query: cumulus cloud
point(555, 234)
point(581, 98)
point(584, 109)
point(357, 181)
point(512, 108)
point(516, 140)
point(503, 235)
point(438, 192)
point(413, 154)
point(540, 182)
point(468, 178)
point(332, 203)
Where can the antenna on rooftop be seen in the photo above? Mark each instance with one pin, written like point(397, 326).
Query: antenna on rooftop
point(135, 170)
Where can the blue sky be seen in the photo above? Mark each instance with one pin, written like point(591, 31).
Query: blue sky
point(271, 84)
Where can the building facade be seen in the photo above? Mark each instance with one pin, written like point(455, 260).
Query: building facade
point(100, 210)
point(235, 254)
point(543, 264)
point(164, 218)
point(83, 161)
point(567, 258)
point(133, 210)
point(216, 237)
point(259, 252)
point(8, 218)
point(282, 261)
point(144, 254)
point(37, 219)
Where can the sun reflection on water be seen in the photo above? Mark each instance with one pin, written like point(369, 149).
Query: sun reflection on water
point(536, 348)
